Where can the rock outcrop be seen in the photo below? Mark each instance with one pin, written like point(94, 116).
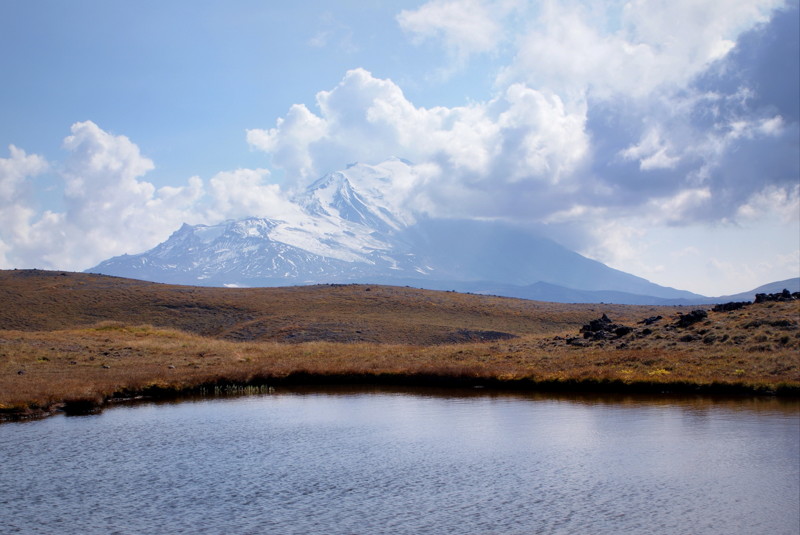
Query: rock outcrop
point(684, 320)
point(785, 295)
point(604, 329)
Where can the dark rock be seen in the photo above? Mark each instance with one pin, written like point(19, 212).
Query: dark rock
point(729, 307)
point(622, 330)
point(601, 324)
point(785, 295)
point(691, 318)
point(604, 329)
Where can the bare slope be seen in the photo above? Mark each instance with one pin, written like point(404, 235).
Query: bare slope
point(47, 300)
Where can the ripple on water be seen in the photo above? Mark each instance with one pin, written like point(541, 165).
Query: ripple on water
point(401, 463)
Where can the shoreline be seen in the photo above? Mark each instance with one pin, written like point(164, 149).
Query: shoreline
point(84, 405)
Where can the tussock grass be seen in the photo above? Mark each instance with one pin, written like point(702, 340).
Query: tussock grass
point(265, 336)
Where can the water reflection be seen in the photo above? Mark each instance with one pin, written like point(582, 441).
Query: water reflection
point(366, 460)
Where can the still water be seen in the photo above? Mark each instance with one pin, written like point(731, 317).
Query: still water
point(357, 461)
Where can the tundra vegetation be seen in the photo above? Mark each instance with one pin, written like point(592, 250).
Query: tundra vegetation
point(74, 342)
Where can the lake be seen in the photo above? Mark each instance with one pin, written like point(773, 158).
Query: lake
point(370, 461)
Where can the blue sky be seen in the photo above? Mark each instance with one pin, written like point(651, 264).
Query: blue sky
point(658, 137)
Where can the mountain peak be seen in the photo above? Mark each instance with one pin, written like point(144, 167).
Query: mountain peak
point(361, 194)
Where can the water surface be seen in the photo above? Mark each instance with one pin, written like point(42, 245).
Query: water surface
point(352, 461)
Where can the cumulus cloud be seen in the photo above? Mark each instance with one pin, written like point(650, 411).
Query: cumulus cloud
point(16, 200)
point(246, 193)
point(109, 209)
point(521, 137)
point(14, 172)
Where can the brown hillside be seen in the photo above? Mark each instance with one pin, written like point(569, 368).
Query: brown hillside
point(35, 300)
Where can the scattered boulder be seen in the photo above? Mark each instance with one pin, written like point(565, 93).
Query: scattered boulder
point(685, 320)
point(785, 295)
point(729, 307)
point(622, 330)
point(603, 329)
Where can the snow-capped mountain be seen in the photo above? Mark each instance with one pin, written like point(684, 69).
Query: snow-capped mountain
point(346, 228)
point(353, 226)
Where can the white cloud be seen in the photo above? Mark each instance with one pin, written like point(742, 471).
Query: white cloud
point(574, 47)
point(245, 193)
point(109, 210)
point(651, 152)
point(16, 201)
point(781, 203)
point(676, 209)
point(465, 27)
point(290, 140)
point(14, 172)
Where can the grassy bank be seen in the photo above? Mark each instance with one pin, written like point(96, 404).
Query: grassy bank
point(40, 371)
point(53, 360)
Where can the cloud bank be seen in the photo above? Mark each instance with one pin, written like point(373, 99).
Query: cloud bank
point(670, 121)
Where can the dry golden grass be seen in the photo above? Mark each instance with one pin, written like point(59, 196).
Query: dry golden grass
point(85, 337)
